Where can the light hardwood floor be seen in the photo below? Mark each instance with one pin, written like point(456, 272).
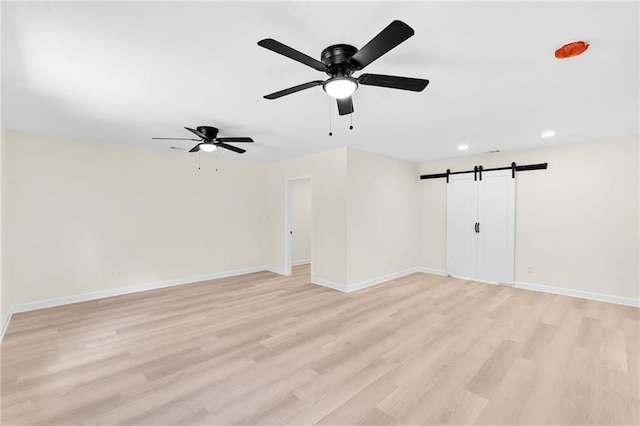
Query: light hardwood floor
point(265, 349)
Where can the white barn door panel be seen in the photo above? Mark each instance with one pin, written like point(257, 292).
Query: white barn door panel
point(480, 226)
point(462, 200)
point(496, 220)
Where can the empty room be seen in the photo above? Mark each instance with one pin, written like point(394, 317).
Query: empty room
point(333, 213)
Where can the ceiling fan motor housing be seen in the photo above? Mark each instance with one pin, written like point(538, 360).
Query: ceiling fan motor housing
point(336, 58)
point(209, 131)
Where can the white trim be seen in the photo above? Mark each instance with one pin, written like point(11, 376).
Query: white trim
point(287, 227)
point(431, 271)
point(24, 307)
point(380, 280)
point(84, 297)
point(477, 280)
point(275, 270)
point(5, 323)
point(287, 222)
point(330, 284)
point(628, 301)
point(349, 288)
point(301, 262)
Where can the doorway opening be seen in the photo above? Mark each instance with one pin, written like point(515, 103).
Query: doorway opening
point(298, 225)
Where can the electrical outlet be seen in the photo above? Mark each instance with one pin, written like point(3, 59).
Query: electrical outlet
point(529, 269)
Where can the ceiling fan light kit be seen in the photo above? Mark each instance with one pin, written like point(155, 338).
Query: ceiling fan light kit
point(207, 147)
point(340, 87)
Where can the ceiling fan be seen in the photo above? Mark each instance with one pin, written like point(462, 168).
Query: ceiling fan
point(209, 140)
point(340, 61)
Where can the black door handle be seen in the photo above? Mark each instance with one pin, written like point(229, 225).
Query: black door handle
point(478, 228)
point(475, 227)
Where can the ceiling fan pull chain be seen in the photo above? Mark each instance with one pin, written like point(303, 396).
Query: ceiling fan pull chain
point(199, 160)
point(351, 121)
point(330, 132)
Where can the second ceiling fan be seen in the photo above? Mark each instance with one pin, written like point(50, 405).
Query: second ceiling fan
point(340, 61)
point(208, 140)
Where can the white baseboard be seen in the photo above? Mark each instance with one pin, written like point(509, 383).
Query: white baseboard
point(326, 283)
point(432, 271)
point(84, 297)
point(5, 323)
point(24, 307)
point(348, 288)
point(379, 280)
point(275, 270)
point(301, 262)
point(628, 301)
point(477, 280)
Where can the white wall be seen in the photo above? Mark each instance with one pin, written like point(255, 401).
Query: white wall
point(4, 294)
point(382, 215)
point(84, 216)
point(329, 176)
point(301, 220)
point(80, 217)
point(576, 222)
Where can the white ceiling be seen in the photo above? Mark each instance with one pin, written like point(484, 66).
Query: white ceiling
point(124, 72)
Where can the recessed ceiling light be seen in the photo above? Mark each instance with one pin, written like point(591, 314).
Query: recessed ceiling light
point(548, 134)
point(463, 147)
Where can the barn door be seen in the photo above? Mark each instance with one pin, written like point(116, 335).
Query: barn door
point(480, 226)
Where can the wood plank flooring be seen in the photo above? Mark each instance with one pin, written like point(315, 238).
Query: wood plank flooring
point(266, 349)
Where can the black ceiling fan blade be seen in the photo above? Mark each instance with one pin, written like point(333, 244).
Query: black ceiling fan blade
point(294, 89)
point(394, 34)
point(393, 82)
point(283, 49)
point(177, 139)
point(197, 133)
point(235, 140)
point(345, 106)
point(195, 148)
point(231, 147)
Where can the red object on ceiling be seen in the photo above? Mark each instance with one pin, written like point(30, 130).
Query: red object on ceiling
point(572, 49)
